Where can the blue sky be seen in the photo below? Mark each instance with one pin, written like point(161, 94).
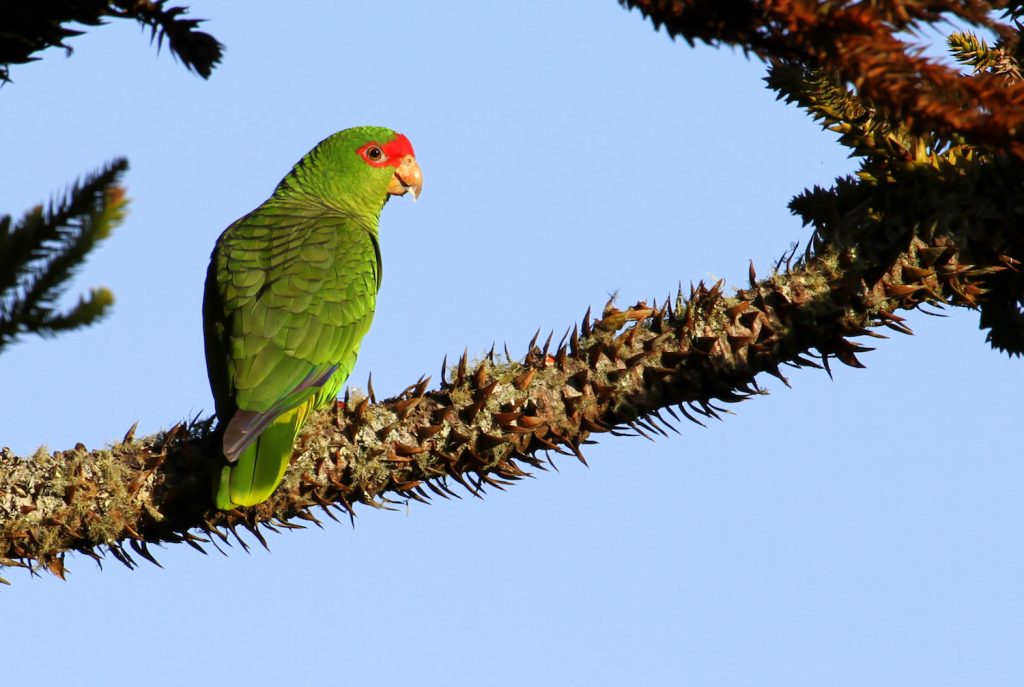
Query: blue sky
point(861, 530)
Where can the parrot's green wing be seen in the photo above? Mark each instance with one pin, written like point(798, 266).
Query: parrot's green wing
point(290, 294)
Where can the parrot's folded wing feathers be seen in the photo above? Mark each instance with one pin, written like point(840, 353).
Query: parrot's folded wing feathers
point(247, 425)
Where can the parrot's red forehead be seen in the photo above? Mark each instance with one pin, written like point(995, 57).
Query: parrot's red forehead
point(399, 148)
point(393, 152)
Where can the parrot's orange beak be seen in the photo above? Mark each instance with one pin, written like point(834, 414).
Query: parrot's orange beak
point(408, 178)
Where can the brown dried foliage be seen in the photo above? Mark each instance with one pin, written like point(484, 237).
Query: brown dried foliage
point(863, 43)
point(926, 221)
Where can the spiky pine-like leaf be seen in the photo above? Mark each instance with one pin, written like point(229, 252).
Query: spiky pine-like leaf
point(197, 50)
point(973, 51)
point(857, 121)
point(1002, 313)
point(31, 27)
point(40, 254)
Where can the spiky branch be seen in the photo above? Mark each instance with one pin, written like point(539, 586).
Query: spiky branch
point(489, 423)
point(31, 27)
point(40, 254)
point(931, 217)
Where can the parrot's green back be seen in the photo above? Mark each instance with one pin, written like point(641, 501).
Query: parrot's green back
point(290, 293)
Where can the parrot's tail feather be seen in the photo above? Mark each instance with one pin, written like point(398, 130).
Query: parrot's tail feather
point(246, 426)
point(260, 465)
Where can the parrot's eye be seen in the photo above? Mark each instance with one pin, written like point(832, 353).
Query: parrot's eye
point(374, 154)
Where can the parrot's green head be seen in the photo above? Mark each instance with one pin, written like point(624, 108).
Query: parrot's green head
point(356, 170)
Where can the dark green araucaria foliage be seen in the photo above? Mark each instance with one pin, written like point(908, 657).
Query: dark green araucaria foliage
point(27, 28)
point(40, 253)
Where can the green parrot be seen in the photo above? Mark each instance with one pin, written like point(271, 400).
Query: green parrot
point(290, 293)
